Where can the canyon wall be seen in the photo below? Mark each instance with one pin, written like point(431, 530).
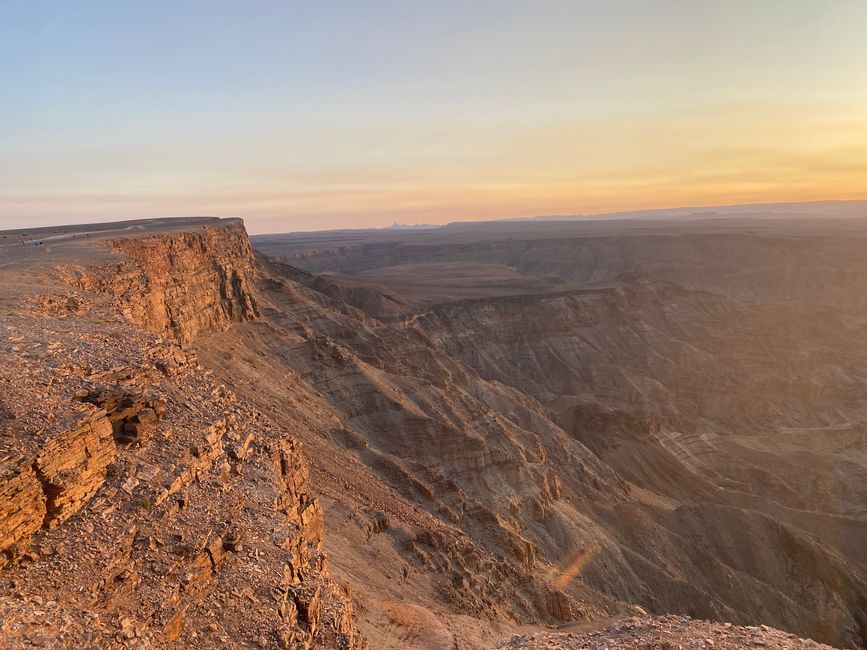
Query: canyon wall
point(178, 284)
point(556, 456)
point(781, 260)
point(699, 440)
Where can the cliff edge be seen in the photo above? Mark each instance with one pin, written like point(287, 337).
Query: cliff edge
point(141, 504)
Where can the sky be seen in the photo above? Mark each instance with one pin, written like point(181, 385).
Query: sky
point(314, 115)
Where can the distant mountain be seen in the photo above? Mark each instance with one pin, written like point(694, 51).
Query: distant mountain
point(804, 208)
point(413, 226)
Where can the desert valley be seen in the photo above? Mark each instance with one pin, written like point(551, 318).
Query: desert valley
point(538, 433)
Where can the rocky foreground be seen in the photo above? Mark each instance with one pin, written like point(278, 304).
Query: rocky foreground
point(664, 633)
point(203, 446)
point(141, 504)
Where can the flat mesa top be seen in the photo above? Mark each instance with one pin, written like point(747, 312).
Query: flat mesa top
point(27, 253)
point(113, 227)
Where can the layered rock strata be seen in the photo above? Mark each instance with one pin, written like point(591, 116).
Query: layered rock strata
point(178, 284)
point(142, 505)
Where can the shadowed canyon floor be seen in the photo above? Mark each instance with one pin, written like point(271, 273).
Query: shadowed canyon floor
point(433, 439)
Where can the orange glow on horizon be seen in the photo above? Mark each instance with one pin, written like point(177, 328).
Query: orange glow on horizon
point(435, 116)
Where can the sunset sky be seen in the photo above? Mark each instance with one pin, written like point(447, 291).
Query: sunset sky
point(316, 114)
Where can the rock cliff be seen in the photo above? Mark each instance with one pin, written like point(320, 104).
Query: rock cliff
point(141, 504)
point(178, 284)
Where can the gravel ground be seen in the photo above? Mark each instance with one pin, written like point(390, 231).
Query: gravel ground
point(664, 633)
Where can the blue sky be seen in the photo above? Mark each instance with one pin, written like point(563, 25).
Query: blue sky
point(301, 115)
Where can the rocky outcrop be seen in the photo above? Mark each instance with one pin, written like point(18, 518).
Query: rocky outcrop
point(178, 284)
point(45, 490)
point(22, 507)
point(141, 505)
point(72, 466)
point(132, 411)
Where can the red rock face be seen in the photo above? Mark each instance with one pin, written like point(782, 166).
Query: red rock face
point(180, 284)
point(71, 466)
point(48, 488)
point(23, 507)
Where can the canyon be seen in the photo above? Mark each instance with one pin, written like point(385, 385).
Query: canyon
point(433, 439)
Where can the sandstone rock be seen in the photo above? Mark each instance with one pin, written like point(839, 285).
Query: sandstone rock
point(218, 287)
point(22, 507)
point(72, 465)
